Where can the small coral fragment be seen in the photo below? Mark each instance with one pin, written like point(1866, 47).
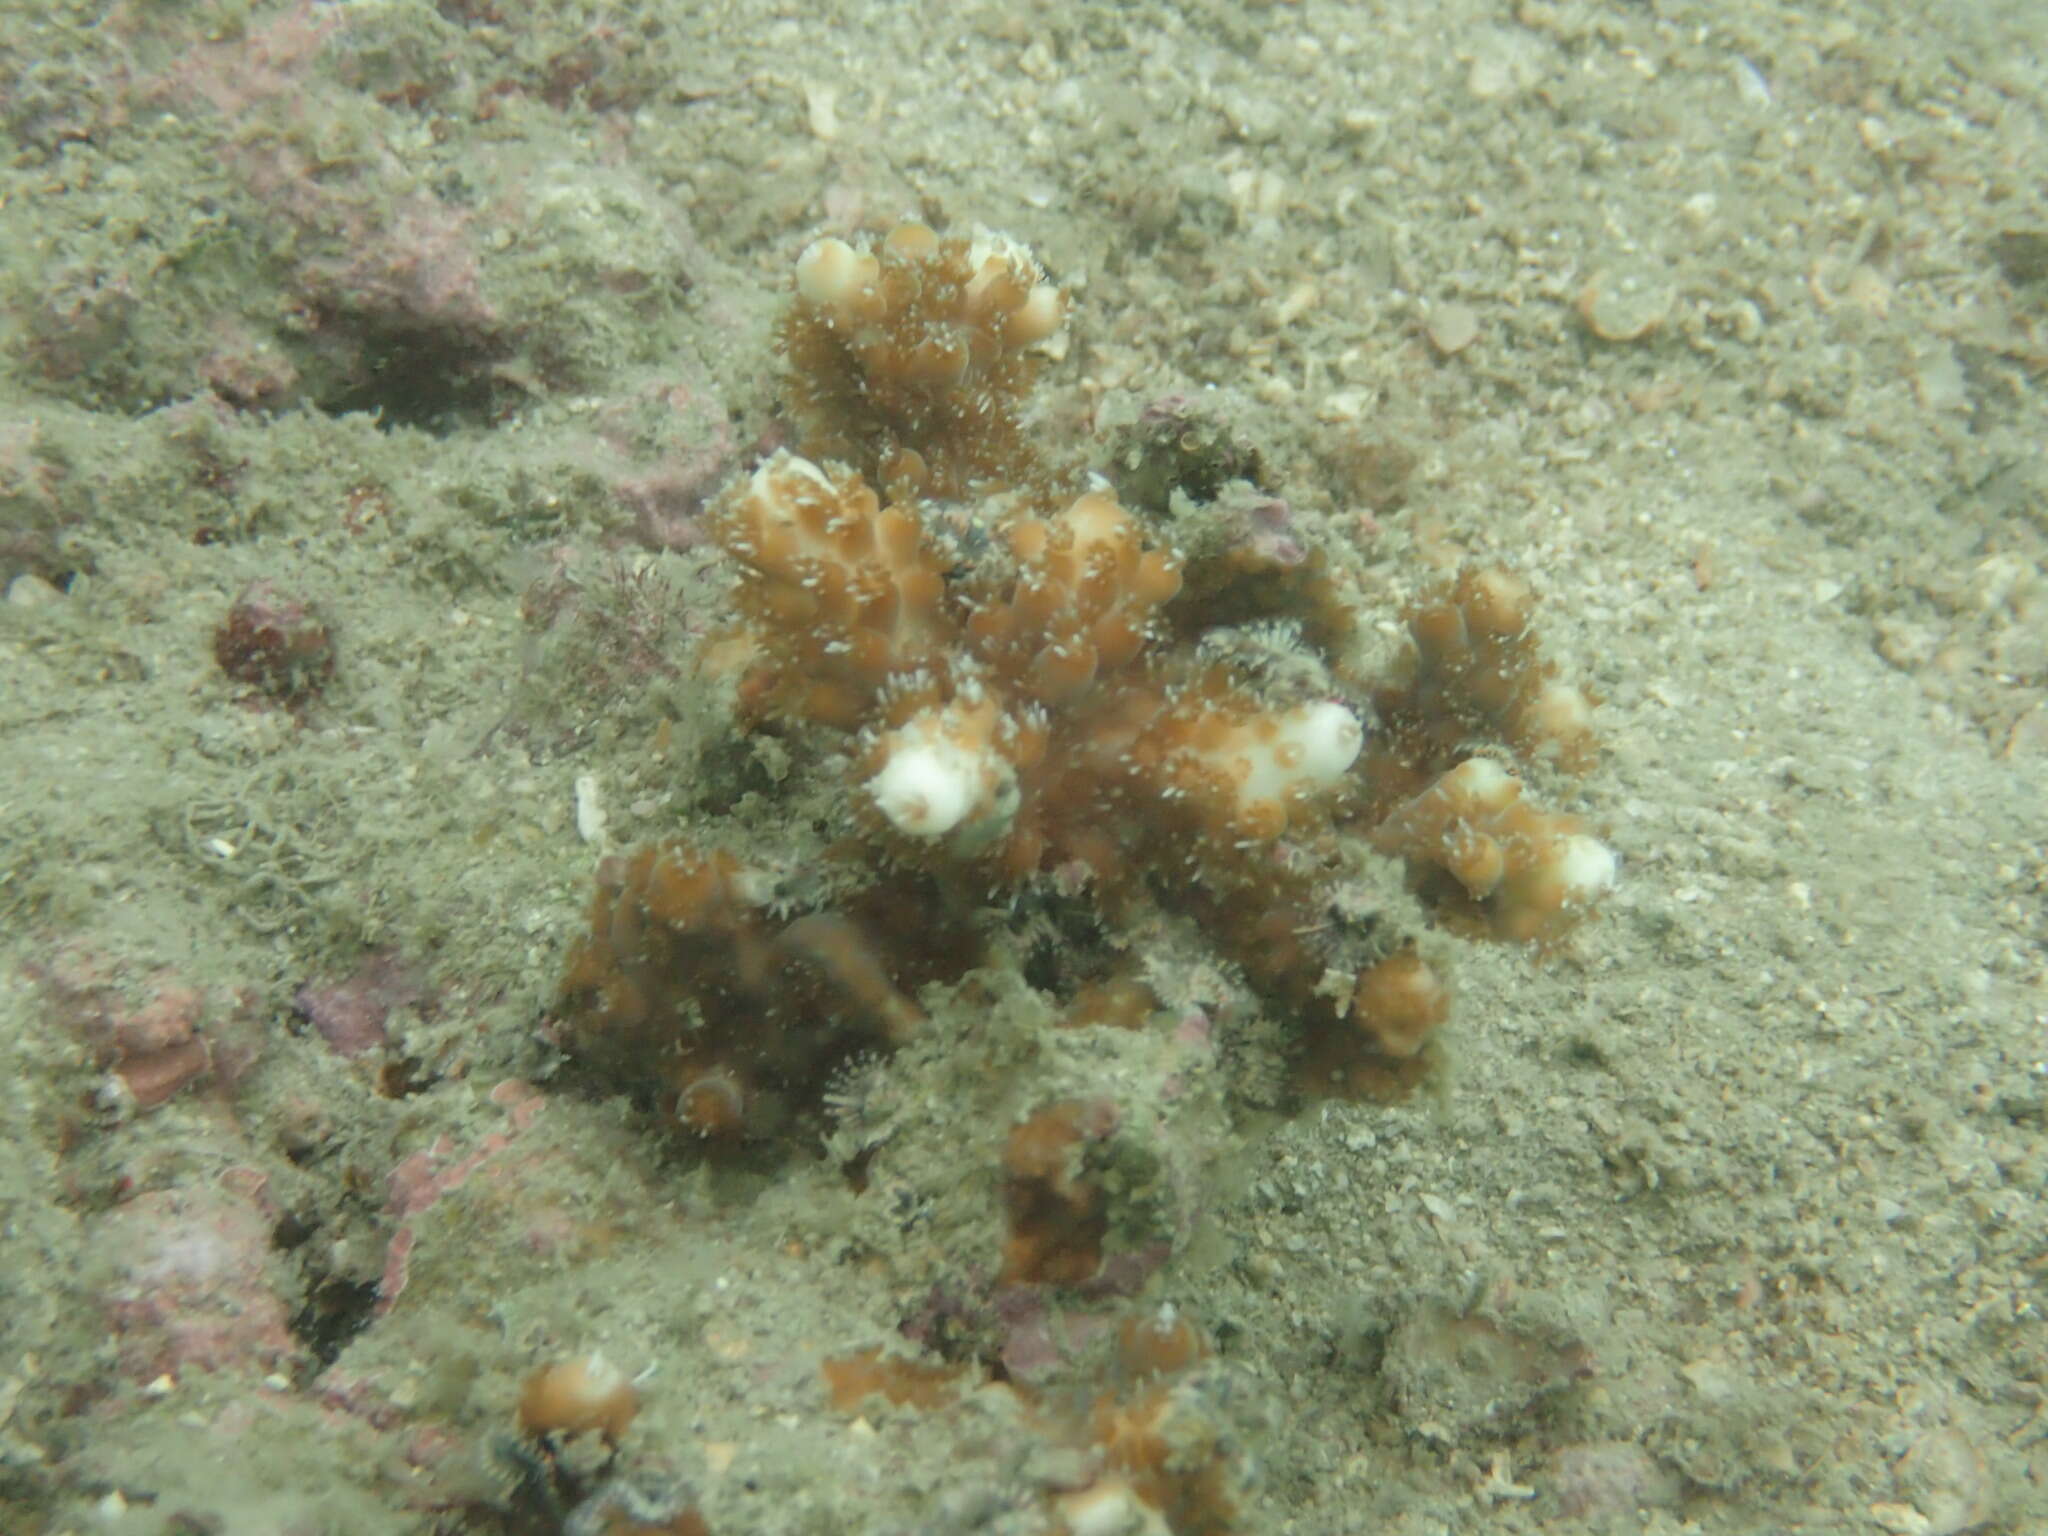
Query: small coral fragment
point(852, 1379)
point(1475, 673)
point(578, 1397)
point(1159, 1343)
point(276, 645)
point(910, 360)
point(1116, 1002)
point(1399, 1002)
point(1158, 1459)
point(1378, 1047)
point(1514, 872)
point(1163, 1452)
point(1058, 1214)
point(683, 984)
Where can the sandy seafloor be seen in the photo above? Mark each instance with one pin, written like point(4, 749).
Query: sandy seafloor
point(1722, 323)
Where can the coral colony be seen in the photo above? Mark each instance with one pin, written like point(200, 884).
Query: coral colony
point(1033, 703)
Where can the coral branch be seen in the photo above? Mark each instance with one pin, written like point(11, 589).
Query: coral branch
point(1515, 872)
point(910, 361)
point(1475, 672)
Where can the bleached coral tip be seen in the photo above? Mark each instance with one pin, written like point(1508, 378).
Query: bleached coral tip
point(927, 788)
point(1036, 318)
point(830, 272)
point(1330, 737)
point(1587, 868)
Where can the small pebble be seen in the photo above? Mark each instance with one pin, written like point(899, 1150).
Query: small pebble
point(29, 590)
point(1453, 328)
point(1624, 307)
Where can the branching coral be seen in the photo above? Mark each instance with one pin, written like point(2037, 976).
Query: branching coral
point(1042, 756)
point(1474, 677)
point(1022, 701)
point(1474, 673)
point(1514, 872)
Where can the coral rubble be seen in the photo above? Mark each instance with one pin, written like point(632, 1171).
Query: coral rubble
point(275, 645)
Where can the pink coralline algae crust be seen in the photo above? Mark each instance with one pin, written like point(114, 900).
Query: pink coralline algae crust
point(276, 645)
point(193, 1286)
point(664, 484)
point(405, 255)
point(264, 63)
point(425, 1176)
point(374, 264)
point(351, 1014)
point(1610, 1478)
point(155, 1049)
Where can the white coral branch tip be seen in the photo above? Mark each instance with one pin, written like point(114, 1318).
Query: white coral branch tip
point(928, 787)
point(1310, 748)
point(1329, 737)
point(1585, 869)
